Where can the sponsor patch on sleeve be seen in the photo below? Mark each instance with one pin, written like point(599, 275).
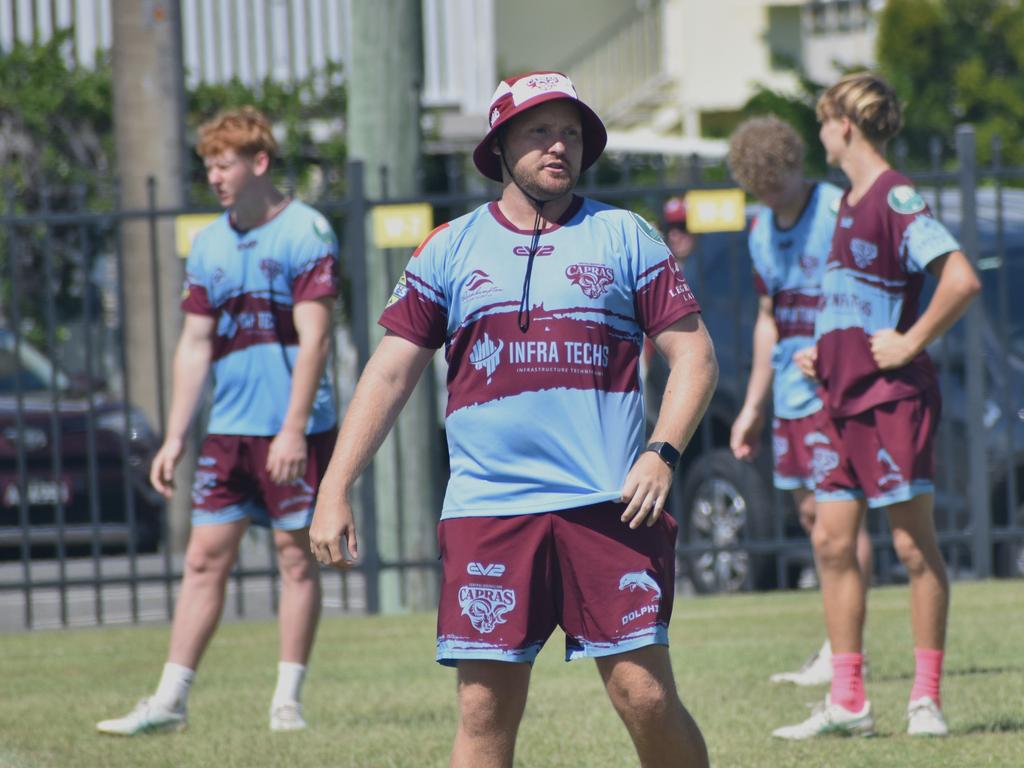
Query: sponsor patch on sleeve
point(905, 199)
point(647, 229)
point(323, 230)
point(400, 292)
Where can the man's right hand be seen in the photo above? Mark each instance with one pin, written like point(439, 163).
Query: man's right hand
point(805, 360)
point(333, 521)
point(161, 471)
point(744, 440)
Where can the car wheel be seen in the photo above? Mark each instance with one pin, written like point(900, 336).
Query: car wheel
point(725, 503)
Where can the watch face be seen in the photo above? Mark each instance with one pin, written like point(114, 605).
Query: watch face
point(666, 451)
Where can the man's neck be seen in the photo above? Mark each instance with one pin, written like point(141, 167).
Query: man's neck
point(521, 211)
point(257, 207)
point(862, 169)
point(787, 214)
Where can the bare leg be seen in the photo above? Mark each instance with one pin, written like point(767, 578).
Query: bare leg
point(643, 692)
point(208, 560)
point(299, 612)
point(807, 511)
point(842, 583)
point(913, 537)
point(492, 698)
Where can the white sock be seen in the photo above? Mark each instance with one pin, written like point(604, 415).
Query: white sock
point(289, 682)
point(175, 683)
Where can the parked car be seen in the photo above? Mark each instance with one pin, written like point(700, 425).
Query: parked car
point(732, 537)
point(70, 458)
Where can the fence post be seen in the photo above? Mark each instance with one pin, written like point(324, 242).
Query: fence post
point(355, 256)
point(974, 359)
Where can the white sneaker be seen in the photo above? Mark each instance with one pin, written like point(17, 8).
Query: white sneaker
point(149, 716)
point(924, 718)
point(828, 718)
point(817, 670)
point(287, 717)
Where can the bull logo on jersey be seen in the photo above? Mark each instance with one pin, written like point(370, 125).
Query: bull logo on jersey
point(864, 252)
point(641, 580)
point(486, 606)
point(593, 279)
point(271, 268)
point(485, 356)
point(892, 469)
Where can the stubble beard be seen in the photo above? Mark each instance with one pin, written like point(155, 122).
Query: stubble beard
point(542, 187)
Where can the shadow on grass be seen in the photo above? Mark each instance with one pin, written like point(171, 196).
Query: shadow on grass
point(968, 671)
point(1002, 725)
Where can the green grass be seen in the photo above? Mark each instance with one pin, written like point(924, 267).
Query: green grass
point(375, 698)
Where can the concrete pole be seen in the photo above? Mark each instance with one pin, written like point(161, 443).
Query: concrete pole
point(148, 131)
point(383, 120)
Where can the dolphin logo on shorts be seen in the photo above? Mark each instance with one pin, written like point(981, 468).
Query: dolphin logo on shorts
point(639, 580)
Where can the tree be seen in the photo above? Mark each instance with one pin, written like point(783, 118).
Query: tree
point(796, 109)
point(955, 61)
point(57, 148)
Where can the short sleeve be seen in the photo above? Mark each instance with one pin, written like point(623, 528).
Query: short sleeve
point(921, 237)
point(662, 294)
point(418, 308)
point(195, 294)
point(314, 265)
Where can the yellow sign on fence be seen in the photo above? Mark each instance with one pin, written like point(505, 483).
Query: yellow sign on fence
point(186, 227)
point(715, 210)
point(402, 226)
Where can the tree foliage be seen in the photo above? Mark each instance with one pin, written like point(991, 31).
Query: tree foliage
point(797, 109)
point(956, 61)
point(309, 163)
point(57, 153)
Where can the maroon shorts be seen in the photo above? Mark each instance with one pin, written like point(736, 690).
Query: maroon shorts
point(509, 581)
point(885, 455)
point(793, 453)
point(231, 482)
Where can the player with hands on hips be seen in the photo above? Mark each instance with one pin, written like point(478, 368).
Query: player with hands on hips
point(874, 445)
point(789, 243)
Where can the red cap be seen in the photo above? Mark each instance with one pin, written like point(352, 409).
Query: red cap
point(515, 95)
point(674, 212)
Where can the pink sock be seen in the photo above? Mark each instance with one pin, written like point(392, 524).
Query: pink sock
point(927, 674)
point(848, 681)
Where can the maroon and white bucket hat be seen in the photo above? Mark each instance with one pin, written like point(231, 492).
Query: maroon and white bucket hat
point(515, 95)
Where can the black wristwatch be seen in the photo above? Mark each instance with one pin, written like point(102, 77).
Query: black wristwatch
point(667, 452)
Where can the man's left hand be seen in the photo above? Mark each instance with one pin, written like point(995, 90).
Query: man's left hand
point(286, 458)
point(891, 349)
point(645, 490)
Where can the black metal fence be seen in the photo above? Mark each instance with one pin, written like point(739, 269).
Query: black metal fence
point(84, 540)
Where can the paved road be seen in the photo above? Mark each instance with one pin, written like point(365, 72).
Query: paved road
point(250, 597)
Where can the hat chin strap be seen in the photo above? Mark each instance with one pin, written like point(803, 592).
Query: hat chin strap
point(523, 316)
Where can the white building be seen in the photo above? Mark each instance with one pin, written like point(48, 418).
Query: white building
point(661, 72)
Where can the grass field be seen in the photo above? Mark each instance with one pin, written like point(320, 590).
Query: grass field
point(376, 699)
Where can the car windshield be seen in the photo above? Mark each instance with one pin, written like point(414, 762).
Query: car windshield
point(33, 373)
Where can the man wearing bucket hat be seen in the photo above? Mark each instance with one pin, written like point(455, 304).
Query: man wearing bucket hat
point(554, 511)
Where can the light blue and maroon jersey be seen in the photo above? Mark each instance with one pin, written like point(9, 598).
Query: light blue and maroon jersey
point(873, 281)
point(249, 282)
point(552, 418)
point(788, 265)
